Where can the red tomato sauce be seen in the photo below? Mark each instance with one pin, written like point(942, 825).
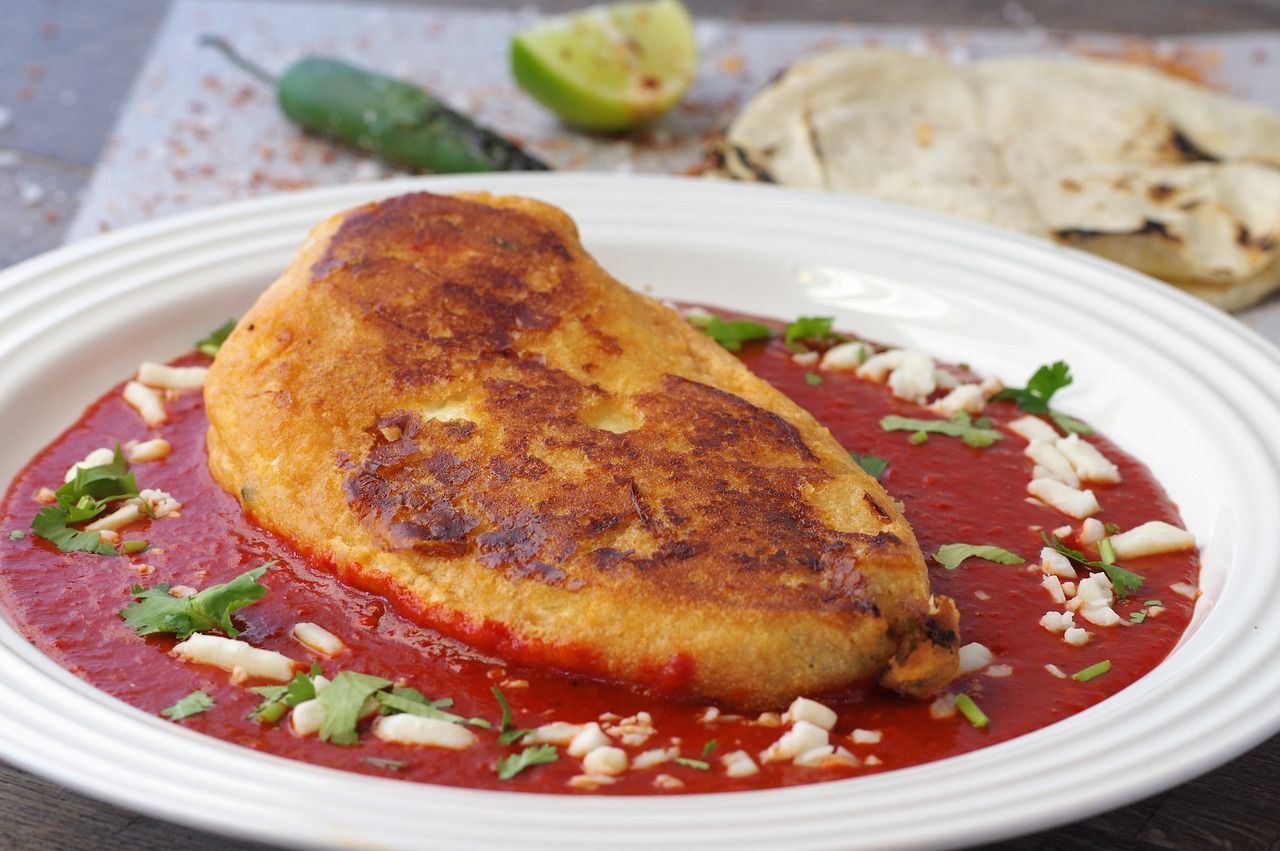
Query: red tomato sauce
point(67, 605)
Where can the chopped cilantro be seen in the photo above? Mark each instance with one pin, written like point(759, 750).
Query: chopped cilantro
point(951, 555)
point(733, 333)
point(873, 465)
point(970, 710)
point(1139, 616)
point(812, 379)
point(192, 704)
point(278, 699)
point(157, 611)
point(412, 701)
point(1124, 581)
point(17, 535)
point(709, 747)
point(210, 344)
point(1153, 603)
point(961, 425)
point(506, 732)
point(342, 700)
point(918, 437)
point(510, 766)
point(700, 764)
point(1106, 551)
point(1041, 386)
point(83, 498)
point(1092, 671)
point(807, 328)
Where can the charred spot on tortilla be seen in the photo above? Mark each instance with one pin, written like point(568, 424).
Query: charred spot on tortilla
point(527, 455)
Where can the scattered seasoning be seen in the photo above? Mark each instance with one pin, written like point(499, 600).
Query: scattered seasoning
point(733, 333)
point(83, 498)
point(1092, 671)
point(951, 555)
point(157, 611)
point(17, 535)
point(192, 704)
point(1142, 614)
point(970, 711)
point(506, 732)
point(812, 379)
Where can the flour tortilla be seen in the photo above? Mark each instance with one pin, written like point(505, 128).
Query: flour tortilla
point(1120, 160)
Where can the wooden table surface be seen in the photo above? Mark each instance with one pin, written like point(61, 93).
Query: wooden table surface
point(66, 67)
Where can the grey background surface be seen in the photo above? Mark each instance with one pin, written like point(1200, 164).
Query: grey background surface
point(67, 68)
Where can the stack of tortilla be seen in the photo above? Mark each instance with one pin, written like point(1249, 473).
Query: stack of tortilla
point(1120, 160)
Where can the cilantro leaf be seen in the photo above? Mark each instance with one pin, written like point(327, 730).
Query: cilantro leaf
point(192, 704)
point(85, 497)
point(951, 555)
point(342, 700)
point(510, 766)
point(50, 523)
point(709, 747)
point(212, 342)
point(277, 699)
point(157, 611)
point(873, 466)
point(507, 733)
point(961, 425)
point(812, 328)
point(411, 701)
point(732, 333)
point(701, 765)
point(813, 379)
point(1123, 581)
point(1041, 386)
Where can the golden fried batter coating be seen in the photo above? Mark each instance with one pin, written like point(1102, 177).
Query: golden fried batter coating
point(451, 402)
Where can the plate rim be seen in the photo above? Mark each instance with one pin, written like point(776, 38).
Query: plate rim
point(1136, 288)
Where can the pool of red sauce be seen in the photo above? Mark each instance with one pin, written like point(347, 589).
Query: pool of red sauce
point(67, 604)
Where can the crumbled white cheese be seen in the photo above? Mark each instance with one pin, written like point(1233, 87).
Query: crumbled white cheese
point(1058, 621)
point(318, 639)
point(999, 671)
point(848, 355)
point(1100, 615)
point(146, 402)
point(974, 657)
point(1056, 671)
point(866, 737)
point(96, 458)
point(878, 366)
point(1063, 532)
point(666, 781)
point(307, 718)
point(814, 758)
point(1032, 429)
point(805, 358)
point(123, 516)
point(991, 386)
point(1094, 590)
point(982, 595)
point(1076, 636)
point(171, 377)
point(967, 398)
point(407, 729)
point(590, 782)
point(148, 450)
point(1068, 589)
point(650, 758)
point(1053, 585)
point(558, 733)
point(181, 591)
point(1076, 503)
point(804, 709)
point(229, 653)
point(768, 719)
point(914, 379)
point(945, 380)
point(609, 761)
point(1151, 538)
point(709, 715)
point(632, 731)
point(1056, 564)
point(158, 503)
point(1090, 464)
point(1184, 589)
point(590, 738)
point(873, 760)
point(1092, 530)
point(800, 738)
point(1053, 462)
point(739, 764)
point(943, 707)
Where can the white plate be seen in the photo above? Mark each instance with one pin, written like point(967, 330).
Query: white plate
point(1183, 387)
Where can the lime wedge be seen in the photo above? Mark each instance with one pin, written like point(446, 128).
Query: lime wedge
point(609, 67)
